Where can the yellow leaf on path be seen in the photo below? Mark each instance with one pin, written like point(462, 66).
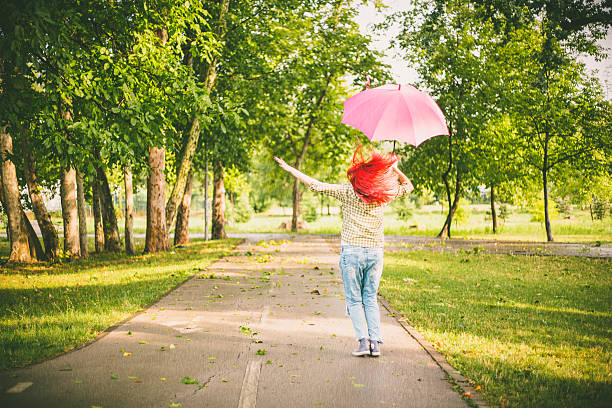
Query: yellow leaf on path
point(172, 346)
point(126, 354)
point(477, 388)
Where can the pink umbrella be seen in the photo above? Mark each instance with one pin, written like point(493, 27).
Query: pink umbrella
point(395, 112)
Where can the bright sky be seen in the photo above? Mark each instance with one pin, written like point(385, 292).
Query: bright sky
point(402, 73)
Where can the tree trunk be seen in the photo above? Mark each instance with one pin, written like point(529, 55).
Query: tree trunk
point(129, 211)
point(218, 214)
point(493, 213)
point(446, 228)
point(82, 215)
point(18, 235)
point(112, 242)
point(157, 237)
point(184, 168)
point(181, 232)
point(36, 250)
point(68, 196)
point(549, 235)
point(47, 229)
point(206, 201)
point(97, 211)
point(9, 195)
point(296, 199)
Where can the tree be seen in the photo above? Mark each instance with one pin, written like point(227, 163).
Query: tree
point(305, 95)
point(191, 141)
point(20, 248)
point(556, 106)
point(561, 116)
point(448, 45)
point(47, 229)
point(129, 211)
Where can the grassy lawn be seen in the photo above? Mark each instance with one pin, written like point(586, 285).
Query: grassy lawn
point(428, 220)
point(531, 331)
point(49, 309)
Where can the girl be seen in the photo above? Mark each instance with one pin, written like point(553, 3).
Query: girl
point(373, 184)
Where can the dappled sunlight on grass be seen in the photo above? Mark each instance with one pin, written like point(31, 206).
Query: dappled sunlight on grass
point(532, 331)
point(46, 309)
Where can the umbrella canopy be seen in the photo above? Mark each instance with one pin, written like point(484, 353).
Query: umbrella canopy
point(395, 112)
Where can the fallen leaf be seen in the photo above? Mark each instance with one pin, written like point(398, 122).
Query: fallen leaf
point(127, 354)
point(172, 347)
point(133, 378)
point(175, 405)
point(143, 342)
point(477, 388)
point(163, 378)
point(316, 292)
point(269, 362)
point(138, 381)
point(187, 380)
point(114, 377)
point(224, 380)
point(261, 352)
point(358, 385)
point(78, 381)
point(467, 394)
point(129, 333)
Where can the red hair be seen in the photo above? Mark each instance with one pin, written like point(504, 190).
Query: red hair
point(372, 177)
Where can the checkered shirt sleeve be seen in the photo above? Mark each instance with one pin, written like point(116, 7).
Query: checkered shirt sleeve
point(339, 191)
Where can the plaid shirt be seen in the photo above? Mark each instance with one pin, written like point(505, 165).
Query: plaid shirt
point(362, 223)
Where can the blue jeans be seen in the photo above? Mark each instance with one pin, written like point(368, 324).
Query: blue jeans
point(361, 271)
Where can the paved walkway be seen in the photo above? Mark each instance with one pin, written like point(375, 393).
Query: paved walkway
point(282, 300)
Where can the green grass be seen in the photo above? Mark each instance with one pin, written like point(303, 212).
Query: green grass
point(531, 331)
point(49, 309)
point(428, 221)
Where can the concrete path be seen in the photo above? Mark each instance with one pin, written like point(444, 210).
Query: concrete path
point(265, 327)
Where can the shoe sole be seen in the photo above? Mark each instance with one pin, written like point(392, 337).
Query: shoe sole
point(360, 353)
point(375, 353)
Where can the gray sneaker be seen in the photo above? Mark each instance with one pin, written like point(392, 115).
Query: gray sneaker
point(363, 348)
point(374, 349)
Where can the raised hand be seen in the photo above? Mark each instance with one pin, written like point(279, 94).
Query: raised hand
point(282, 163)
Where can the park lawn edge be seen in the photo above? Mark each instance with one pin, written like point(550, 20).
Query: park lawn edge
point(232, 244)
point(417, 303)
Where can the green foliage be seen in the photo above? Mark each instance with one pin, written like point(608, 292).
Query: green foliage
point(600, 208)
point(242, 211)
point(463, 212)
point(404, 208)
point(310, 205)
point(504, 212)
point(537, 212)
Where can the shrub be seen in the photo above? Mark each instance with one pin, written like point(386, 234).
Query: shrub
point(310, 209)
point(404, 208)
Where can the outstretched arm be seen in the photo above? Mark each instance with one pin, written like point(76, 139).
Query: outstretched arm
point(295, 172)
point(403, 178)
